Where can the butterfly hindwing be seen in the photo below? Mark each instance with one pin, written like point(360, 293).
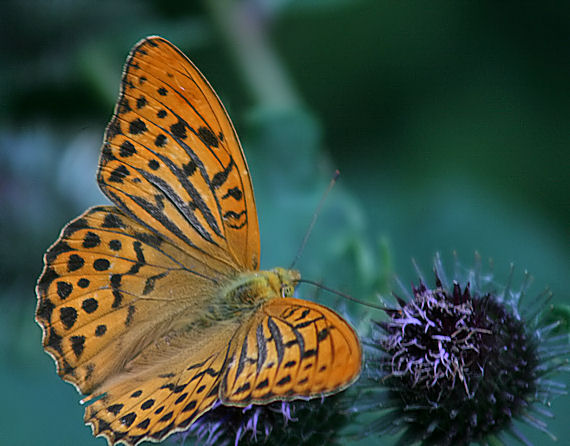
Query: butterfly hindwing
point(168, 393)
point(291, 348)
point(172, 161)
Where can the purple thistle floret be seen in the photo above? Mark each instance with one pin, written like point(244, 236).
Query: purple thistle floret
point(317, 421)
point(462, 362)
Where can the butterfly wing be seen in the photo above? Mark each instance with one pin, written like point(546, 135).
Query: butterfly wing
point(290, 349)
point(121, 311)
point(169, 395)
point(109, 287)
point(172, 161)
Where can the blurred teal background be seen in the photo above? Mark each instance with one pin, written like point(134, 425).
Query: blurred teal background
point(449, 122)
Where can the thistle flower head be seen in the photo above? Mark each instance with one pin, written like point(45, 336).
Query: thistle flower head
point(316, 421)
point(462, 362)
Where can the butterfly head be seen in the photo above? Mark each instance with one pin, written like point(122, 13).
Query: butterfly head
point(288, 280)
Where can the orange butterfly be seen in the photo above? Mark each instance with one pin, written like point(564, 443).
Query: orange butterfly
point(156, 308)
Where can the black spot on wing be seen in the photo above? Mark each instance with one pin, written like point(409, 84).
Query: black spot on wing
point(64, 289)
point(113, 129)
point(118, 174)
point(80, 223)
point(179, 388)
point(115, 409)
point(189, 168)
point(235, 216)
point(284, 380)
point(307, 323)
point(309, 353)
point(322, 335)
point(147, 404)
point(100, 330)
point(106, 154)
point(161, 433)
point(46, 280)
point(207, 137)
point(181, 398)
point(166, 417)
point(262, 384)
point(148, 238)
point(101, 264)
point(137, 126)
point(89, 369)
point(128, 419)
point(77, 345)
point(127, 149)
point(234, 193)
point(141, 101)
point(221, 177)
point(160, 140)
point(117, 299)
point(91, 240)
point(303, 314)
point(83, 283)
point(123, 105)
point(178, 129)
point(190, 406)
point(290, 364)
point(68, 316)
point(115, 245)
point(45, 309)
point(242, 389)
point(209, 371)
point(54, 341)
point(112, 221)
point(143, 424)
point(74, 263)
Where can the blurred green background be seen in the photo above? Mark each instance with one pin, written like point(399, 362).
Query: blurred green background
point(449, 122)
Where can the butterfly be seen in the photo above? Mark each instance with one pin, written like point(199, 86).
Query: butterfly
point(155, 308)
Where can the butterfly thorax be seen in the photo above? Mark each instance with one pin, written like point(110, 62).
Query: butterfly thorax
point(248, 290)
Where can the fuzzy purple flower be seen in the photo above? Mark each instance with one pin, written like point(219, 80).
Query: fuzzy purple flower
point(317, 421)
point(464, 361)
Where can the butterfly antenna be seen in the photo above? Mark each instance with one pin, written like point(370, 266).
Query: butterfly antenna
point(314, 219)
point(344, 295)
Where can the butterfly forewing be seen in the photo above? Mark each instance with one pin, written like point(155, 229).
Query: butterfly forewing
point(171, 158)
point(108, 287)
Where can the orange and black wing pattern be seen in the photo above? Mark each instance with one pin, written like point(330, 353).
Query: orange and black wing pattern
point(172, 161)
point(290, 349)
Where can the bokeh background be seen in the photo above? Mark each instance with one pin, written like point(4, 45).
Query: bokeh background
point(449, 122)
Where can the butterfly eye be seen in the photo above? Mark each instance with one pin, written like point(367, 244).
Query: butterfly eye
point(287, 290)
